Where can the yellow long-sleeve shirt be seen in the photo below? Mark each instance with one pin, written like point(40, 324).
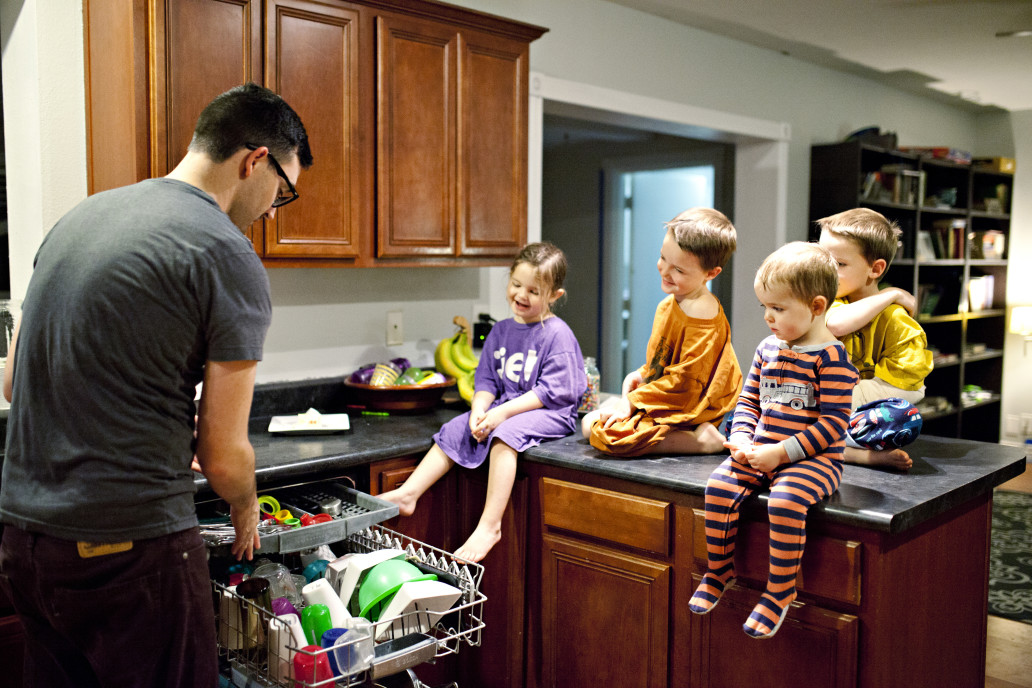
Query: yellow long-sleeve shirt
point(892, 347)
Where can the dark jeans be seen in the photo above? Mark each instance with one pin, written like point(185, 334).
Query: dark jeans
point(143, 617)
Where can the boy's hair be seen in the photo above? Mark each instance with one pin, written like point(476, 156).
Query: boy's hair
point(548, 260)
point(808, 270)
point(250, 115)
point(707, 234)
point(875, 235)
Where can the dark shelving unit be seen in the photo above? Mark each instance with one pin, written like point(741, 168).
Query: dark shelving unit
point(964, 315)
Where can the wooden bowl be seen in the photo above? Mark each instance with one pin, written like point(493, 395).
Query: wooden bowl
point(400, 399)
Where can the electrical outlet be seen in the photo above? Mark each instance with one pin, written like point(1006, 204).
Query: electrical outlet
point(1012, 425)
point(395, 329)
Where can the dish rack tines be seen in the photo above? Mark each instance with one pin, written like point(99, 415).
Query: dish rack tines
point(248, 656)
point(464, 622)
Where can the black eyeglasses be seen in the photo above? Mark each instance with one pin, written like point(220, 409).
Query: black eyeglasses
point(292, 194)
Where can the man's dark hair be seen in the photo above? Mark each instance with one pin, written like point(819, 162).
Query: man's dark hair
point(251, 114)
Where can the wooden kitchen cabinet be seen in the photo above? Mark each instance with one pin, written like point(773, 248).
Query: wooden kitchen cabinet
point(451, 141)
point(605, 575)
point(415, 110)
point(435, 519)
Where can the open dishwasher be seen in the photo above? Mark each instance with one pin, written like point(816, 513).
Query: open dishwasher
point(258, 647)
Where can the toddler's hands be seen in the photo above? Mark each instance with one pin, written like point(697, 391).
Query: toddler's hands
point(766, 457)
point(486, 424)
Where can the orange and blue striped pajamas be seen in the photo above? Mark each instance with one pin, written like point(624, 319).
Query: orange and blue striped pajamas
point(799, 396)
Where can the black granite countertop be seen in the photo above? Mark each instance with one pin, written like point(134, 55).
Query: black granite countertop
point(946, 472)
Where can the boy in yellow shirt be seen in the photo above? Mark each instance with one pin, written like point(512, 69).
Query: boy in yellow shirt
point(886, 345)
point(691, 377)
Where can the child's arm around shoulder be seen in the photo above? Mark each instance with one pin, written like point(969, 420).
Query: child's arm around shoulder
point(844, 319)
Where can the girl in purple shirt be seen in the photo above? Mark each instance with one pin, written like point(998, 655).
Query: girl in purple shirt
point(527, 387)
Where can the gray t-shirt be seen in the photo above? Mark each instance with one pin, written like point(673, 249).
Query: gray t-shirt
point(133, 290)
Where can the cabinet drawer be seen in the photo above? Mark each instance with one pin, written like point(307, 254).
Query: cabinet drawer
point(616, 517)
point(831, 567)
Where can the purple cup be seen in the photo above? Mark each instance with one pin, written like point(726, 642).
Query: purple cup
point(282, 605)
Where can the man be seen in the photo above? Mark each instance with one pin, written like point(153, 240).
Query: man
point(138, 294)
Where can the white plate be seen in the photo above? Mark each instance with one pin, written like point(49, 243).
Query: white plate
point(418, 605)
point(359, 564)
point(306, 425)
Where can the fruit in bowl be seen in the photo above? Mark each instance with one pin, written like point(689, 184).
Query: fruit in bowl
point(412, 390)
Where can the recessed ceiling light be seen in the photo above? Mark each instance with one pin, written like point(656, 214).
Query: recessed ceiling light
point(1022, 33)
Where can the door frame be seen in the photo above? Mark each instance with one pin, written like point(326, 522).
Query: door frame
point(761, 171)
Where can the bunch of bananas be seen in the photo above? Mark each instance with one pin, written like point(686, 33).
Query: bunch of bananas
point(454, 356)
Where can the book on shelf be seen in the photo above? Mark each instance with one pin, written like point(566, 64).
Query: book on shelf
point(981, 293)
point(926, 246)
point(897, 183)
point(928, 296)
point(953, 236)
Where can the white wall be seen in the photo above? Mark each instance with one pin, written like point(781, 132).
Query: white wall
point(327, 321)
point(1011, 136)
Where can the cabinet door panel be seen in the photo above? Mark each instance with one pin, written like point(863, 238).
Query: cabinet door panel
point(416, 65)
point(492, 145)
point(814, 647)
point(208, 46)
point(312, 61)
point(605, 616)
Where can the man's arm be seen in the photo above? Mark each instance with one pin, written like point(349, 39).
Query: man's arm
point(848, 318)
point(9, 366)
point(224, 452)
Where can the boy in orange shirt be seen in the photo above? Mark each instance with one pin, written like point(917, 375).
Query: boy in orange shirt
point(691, 376)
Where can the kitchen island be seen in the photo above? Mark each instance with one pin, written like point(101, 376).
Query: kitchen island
point(599, 557)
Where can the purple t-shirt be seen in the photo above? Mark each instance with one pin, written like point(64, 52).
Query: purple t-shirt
point(541, 357)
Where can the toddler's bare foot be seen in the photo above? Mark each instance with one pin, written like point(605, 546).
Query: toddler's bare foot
point(890, 458)
point(479, 543)
point(709, 438)
point(406, 503)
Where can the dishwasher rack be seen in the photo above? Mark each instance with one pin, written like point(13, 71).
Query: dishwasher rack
point(245, 631)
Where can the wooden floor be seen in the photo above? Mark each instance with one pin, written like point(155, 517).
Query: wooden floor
point(1008, 663)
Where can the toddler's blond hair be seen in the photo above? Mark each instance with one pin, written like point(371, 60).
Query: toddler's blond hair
point(808, 270)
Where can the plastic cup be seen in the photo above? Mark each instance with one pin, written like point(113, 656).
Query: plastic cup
point(329, 639)
point(315, 619)
point(353, 650)
point(311, 665)
point(280, 582)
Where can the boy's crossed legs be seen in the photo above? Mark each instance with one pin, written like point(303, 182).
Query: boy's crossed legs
point(865, 392)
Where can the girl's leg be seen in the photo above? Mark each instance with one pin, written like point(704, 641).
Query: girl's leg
point(431, 469)
point(792, 492)
point(726, 488)
point(500, 478)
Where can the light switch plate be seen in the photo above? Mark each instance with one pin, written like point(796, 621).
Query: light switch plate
point(395, 329)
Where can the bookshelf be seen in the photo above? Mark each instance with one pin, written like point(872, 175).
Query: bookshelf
point(956, 224)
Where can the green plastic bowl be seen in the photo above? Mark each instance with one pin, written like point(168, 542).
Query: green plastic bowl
point(382, 581)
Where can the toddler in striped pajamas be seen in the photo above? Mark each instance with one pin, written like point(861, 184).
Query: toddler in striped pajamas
point(788, 431)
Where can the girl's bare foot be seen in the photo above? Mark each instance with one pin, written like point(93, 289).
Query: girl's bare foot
point(479, 543)
point(890, 458)
point(406, 503)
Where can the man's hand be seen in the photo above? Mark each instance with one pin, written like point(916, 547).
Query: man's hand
point(245, 523)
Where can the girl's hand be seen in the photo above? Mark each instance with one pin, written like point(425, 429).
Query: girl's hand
point(621, 410)
point(491, 420)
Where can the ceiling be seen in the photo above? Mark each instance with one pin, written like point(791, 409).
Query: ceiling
point(945, 49)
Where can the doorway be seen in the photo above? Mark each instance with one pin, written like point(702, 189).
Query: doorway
point(641, 195)
point(607, 192)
